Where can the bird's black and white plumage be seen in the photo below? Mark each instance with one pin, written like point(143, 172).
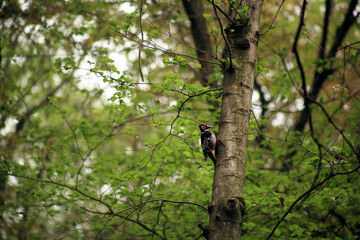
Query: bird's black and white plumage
point(208, 141)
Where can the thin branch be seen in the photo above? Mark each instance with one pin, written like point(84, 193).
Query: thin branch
point(168, 51)
point(65, 186)
point(158, 215)
point(284, 64)
point(186, 100)
point(221, 10)
point(72, 131)
point(313, 41)
point(140, 224)
point(102, 228)
point(320, 77)
point(172, 124)
point(222, 33)
point(154, 46)
point(306, 194)
point(302, 72)
point(271, 25)
point(301, 24)
point(325, 29)
point(337, 128)
point(306, 99)
point(233, 8)
point(158, 200)
point(142, 40)
point(346, 46)
point(180, 202)
point(295, 143)
point(133, 208)
point(24, 117)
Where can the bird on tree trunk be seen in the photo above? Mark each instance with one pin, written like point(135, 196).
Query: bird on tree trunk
point(208, 141)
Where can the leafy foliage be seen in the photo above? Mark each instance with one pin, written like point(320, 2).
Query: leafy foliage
point(90, 151)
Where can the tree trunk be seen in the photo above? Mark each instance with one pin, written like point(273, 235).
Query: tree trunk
point(320, 77)
point(194, 10)
point(227, 206)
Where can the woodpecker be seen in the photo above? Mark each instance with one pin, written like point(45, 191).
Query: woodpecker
point(208, 141)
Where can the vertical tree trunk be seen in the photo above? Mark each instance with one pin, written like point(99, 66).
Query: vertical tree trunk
point(227, 205)
point(194, 10)
point(320, 77)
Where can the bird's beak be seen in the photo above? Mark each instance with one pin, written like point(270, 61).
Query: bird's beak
point(209, 127)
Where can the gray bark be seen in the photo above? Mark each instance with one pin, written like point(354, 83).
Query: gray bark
point(227, 205)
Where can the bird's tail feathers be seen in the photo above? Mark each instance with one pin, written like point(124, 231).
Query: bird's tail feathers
point(212, 157)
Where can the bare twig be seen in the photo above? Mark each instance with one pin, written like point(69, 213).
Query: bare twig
point(288, 141)
point(221, 10)
point(223, 34)
point(142, 40)
point(155, 46)
point(337, 129)
point(76, 143)
point(320, 77)
point(64, 186)
point(271, 25)
point(346, 46)
point(140, 224)
point(301, 24)
point(325, 29)
point(109, 212)
point(306, 194)
point(306, 99)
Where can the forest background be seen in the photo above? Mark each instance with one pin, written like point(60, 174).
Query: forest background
point(101, 102)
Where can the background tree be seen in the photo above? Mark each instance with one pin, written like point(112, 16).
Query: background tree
point(100, 106)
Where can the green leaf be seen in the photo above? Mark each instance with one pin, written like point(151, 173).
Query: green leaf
point(206, 16)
